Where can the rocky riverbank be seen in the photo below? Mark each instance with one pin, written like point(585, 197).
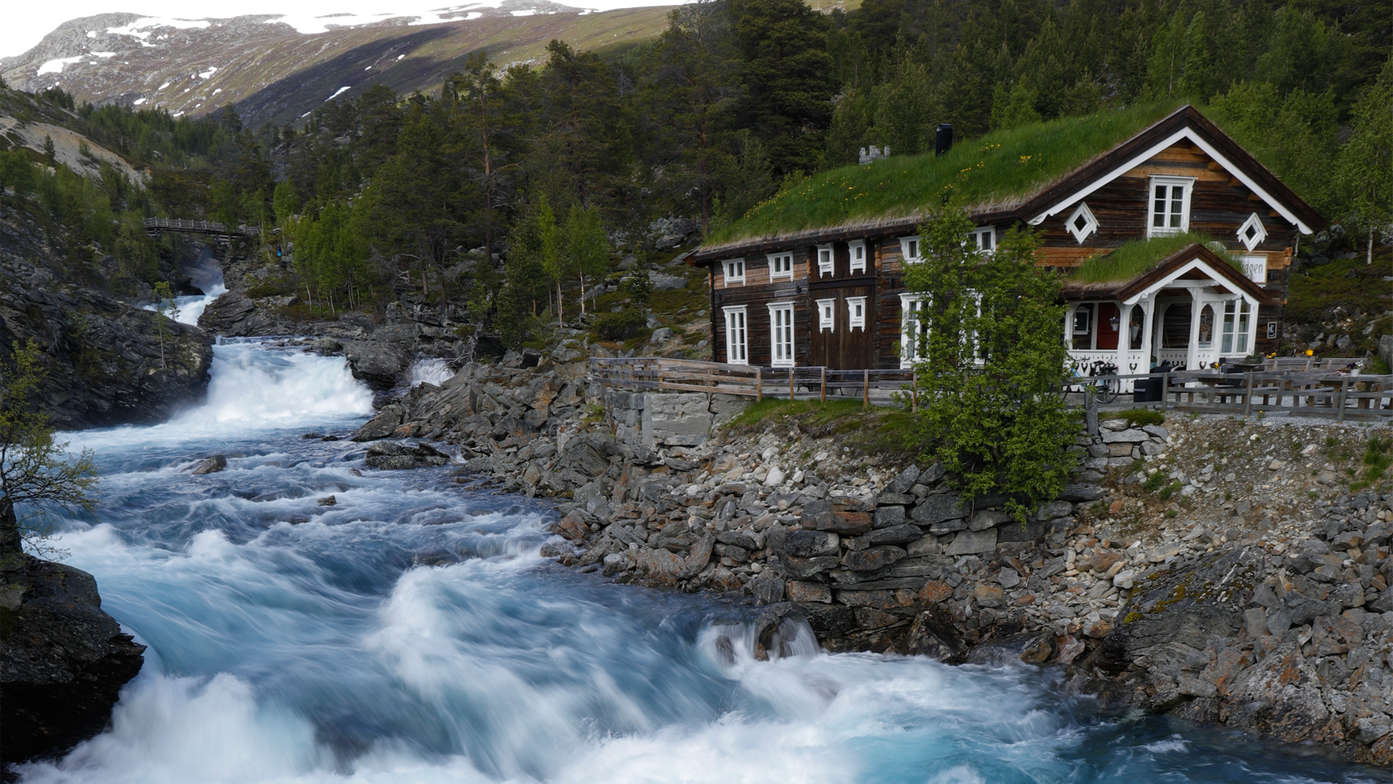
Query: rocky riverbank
point(1190, 569)
point(107, 361)
point(62, 660)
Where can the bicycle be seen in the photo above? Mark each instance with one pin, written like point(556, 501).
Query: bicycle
point(1096, 381)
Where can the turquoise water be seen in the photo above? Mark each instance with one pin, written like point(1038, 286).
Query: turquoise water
point(411, 633)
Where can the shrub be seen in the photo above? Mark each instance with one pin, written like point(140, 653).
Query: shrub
point(625, 324)
point(1141, 417)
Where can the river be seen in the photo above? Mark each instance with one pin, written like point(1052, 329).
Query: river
point(410, 632)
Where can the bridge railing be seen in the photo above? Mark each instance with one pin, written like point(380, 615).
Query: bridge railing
point(153, 225)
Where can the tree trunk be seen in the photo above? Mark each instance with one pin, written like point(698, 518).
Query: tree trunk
point(582, 294)
point(1369, 254)
point(9, 529)
point(560, 317)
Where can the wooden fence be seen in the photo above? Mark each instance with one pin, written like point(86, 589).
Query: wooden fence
point(1306, 391)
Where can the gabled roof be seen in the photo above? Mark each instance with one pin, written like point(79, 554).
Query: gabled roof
point(1001, 177)
point(1214, 266)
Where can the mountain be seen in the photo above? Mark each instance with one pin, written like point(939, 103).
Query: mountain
point(277, 68)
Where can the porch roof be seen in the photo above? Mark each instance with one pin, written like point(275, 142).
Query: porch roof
point(1122, 289)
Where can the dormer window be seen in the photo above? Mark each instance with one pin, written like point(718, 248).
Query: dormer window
point(825, 264)
point(1252, 232)
point(780, 266)
point(1169, 212)
point(856, 249)
point(909, 250)
point(984, 239)
point(734, 271)
point(1081, 223)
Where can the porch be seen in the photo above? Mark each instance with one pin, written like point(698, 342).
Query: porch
point(1194, 316)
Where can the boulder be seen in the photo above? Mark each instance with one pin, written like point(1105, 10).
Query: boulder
point(396, 456)
point(377, 363)
point(210, 465)
point(62, 660)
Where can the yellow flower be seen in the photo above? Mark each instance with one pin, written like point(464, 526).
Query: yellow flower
point(1310, 353)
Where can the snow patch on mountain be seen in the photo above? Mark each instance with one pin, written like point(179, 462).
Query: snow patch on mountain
point(56, 66)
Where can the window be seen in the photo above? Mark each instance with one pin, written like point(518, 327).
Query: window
point(1083, 319)
point(826, 314)
point(1252, 232)
point(781, 334)
point(857, 250)
point(781, 265)
point(1170, 206)
point(825, 264)
point(984, 239)
point(1237, 314)
point(734, 271)
point(1081, 223)
point(737, 349)
point(909, 250)
point(1255, 267)
point(913, 338)
point(856, 312)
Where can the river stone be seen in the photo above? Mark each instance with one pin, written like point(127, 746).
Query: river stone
point(210, 465)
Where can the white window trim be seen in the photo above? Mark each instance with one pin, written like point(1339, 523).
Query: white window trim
point(774, 259)
point(1090, 223)
point(854, 321)
point(1237, 321)
point(978, 233)
point(827, 315)
point(1253, 221)
point(909, 328)
point(857, 265)
point(741, 357)
point(1187, 186)
point(826, 261)
point(774, 359)
point(728, 266)
point(904, 250)
point(1255, 267)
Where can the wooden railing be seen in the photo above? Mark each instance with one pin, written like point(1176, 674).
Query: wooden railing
point(155, 225)
point(1303, 392)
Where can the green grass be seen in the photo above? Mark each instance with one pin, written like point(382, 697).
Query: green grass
point(1141, 417)
point(878, 430)
point(1134, 258)
point(1378, 455)
point(1000, 165)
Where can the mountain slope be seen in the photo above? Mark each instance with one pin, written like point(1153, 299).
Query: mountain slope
point(275, 72)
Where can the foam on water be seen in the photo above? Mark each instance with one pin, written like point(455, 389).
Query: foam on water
point(430, 371)
point(412, 633)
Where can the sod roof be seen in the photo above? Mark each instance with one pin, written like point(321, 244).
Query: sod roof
point(1000, 176)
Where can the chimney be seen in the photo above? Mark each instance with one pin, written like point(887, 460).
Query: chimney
point(943, 138)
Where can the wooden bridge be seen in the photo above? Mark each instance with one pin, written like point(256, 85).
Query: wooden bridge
point(1297, 387)
point(156, 226)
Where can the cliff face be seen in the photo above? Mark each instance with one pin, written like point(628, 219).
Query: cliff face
point(62, 660)
point(108, 362)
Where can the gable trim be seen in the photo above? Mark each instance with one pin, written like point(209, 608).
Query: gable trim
point(1185, 133)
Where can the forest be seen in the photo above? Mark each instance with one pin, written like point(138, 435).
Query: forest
point(512, 190)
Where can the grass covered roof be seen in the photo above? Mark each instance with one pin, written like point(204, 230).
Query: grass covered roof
point(997, 171)
point(1133, 258)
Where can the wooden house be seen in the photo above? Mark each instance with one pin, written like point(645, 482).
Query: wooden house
point(1173, 243)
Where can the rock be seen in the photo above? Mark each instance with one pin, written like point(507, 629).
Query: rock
point(803, 543)
point(988, 595)
point(769, 588)
point(1124, 579)
point(1039, 650)
point(938, 508)
point(886, 516)
point(872, 559)
point(210, 465)
point(1078, 493)
point(973, 542)
point(775, 477)
point(377, 363)
point(1008, 577)
point(899, 534)
point(62, 660)
point(836, 517)
point(661, 567)
point(107, 362)
point(383, 424)
point(328, 500)
point(395, 456)
point(904, 480)
point(804, 591)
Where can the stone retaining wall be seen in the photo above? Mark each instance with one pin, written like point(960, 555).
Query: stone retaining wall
point(656, 420)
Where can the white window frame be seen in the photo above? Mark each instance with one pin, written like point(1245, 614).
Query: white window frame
point(729, 269)
point(856, 313)
point(856, 251)
point(1187, 186)
point(827, 315)
point(737, 335)
point(1252, 232)
point(906, 243)
point(1236, 326)
point(781, 265)
point(826, 261)
point(1255, 267)
point(984, 240)
point(910, 327)
point(780, 352)
point(1090, 223)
